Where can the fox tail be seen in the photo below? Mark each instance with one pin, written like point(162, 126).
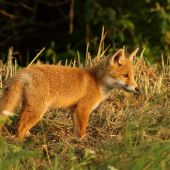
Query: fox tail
point(10, 98)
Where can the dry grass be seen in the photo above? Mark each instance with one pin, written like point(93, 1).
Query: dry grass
point(126, 131)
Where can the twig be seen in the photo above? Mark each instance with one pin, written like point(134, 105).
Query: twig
point(71, 16)
point(17, 4)
point(16, 43)
point(27, 7)
point(7, 14)
point(36, 57)
point(57, 4)
point(6, 130)
point(9, 3)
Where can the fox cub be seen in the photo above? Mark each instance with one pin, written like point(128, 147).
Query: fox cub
point(80, 90)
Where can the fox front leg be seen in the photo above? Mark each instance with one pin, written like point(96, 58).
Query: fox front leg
point(80, 119)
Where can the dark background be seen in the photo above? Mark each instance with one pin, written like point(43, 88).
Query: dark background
point(65, 26)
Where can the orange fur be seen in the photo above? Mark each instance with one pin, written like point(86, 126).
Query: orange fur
point(80, 90)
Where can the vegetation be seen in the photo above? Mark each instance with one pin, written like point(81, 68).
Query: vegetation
point(64, 27)
point(126, 132)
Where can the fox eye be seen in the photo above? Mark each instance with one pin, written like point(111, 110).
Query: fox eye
point(125, 75)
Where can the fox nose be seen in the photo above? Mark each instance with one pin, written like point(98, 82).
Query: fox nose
point(137, 89)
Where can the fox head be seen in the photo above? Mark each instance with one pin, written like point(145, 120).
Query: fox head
point(119, 72)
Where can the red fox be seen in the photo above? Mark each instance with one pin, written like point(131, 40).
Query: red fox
point(78, 89)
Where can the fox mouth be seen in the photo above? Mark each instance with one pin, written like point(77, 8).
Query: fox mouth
point(125, 89)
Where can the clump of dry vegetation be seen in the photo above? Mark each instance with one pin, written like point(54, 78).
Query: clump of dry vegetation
point(126, 131)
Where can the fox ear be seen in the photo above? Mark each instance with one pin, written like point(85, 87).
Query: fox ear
point(118, 57)
point(131, 54)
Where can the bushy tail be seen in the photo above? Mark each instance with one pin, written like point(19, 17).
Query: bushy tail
point(10, 98)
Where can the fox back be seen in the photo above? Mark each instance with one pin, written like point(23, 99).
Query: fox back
point(80, 90)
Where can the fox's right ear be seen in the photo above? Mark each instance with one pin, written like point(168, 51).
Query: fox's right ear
point(131, 54)
point(118, 57)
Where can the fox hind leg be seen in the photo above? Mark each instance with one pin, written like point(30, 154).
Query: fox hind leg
point(28, 118)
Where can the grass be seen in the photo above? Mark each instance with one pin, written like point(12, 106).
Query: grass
point(126, 131)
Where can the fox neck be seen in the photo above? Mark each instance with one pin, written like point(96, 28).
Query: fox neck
point(98, 72)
